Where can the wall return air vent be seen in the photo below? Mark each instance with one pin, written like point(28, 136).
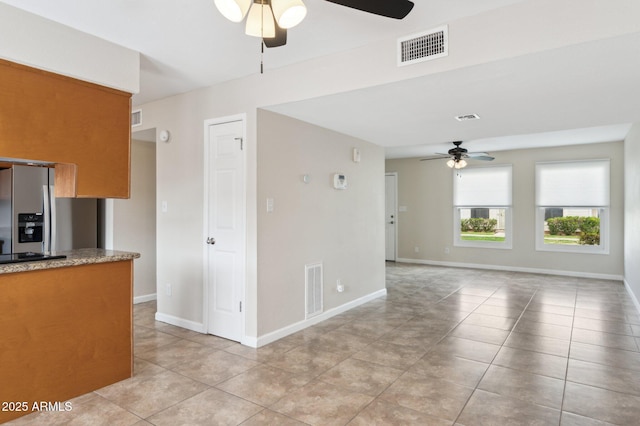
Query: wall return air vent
point(424, 46)
point(313, 289)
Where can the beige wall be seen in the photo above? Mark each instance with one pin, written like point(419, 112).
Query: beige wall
point(313, 222)
point(426, 189)
point(632, 212)
point(134, 219)
point(180, 162)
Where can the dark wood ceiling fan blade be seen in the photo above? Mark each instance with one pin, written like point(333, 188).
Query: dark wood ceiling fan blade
point(279, 40)
point(397, 9)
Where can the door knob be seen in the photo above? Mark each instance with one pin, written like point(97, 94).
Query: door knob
point(211, 240)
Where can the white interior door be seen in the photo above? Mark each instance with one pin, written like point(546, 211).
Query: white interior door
point(391, 220)
point(225, 233)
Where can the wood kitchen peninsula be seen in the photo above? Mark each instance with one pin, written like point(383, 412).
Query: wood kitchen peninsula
point(65, 327)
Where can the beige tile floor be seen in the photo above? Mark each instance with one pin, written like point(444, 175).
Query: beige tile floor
point(444, 347)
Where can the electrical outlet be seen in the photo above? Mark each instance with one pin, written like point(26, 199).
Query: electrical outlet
point(446, 250)
point(339, 286)
point(168, 289)
point(416, 249)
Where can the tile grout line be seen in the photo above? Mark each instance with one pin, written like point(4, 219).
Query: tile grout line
point(566, 373)
point(494, 357)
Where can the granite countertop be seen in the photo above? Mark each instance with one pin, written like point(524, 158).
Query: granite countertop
point(74, 258)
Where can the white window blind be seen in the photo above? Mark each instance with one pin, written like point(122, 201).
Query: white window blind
point(573, 184)
point(486, 186)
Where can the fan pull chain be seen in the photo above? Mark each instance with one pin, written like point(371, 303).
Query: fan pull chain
point(261, 56)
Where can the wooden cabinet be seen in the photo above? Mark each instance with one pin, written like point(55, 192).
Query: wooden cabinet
point(83, 127)
point(64, 332)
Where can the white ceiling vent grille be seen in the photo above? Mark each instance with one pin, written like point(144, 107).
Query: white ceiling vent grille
point(313, 289)
point(425, 46)
point(136, 118)
point(467, 117)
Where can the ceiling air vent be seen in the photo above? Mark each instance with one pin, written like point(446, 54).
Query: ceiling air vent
point(136, 118)
point(425, 46)
point(467, 117)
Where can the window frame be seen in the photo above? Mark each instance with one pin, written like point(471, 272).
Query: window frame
point(507, 244)
point(603, 248)
point(603, 212)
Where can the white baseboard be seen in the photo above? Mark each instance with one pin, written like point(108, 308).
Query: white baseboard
point(514, 269)
point(181, 322)
point(290, 329)
point(197, 327)
point(256, 342)
point(145, 298)
point(252, 342)
point(633, 296)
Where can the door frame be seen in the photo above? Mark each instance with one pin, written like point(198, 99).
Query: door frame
point(395, 214)
point(205, 221)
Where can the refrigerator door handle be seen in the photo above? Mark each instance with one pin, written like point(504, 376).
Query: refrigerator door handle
point(47, 218)
point(50, 236)
point(53, 228)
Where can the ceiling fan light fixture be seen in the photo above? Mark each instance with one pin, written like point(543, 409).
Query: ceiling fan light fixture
point(271, 22)
point(457, 163)
point(260, 21)
point(288, 13)
point(233, 10)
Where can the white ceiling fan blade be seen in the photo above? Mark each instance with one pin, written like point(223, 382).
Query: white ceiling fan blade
point(480, 156)
point(444, 156)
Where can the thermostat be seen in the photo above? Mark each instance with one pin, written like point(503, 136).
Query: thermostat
point(339, 181)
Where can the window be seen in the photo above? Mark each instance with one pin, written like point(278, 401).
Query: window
point(482, 207)
point(572, 206)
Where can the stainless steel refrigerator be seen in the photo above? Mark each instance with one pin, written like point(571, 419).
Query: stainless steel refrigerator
point(33, 220)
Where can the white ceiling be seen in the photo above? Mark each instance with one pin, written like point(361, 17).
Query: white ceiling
point(187, 44)
point(585, 93)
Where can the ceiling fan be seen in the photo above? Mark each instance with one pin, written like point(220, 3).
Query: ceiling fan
point(457, 156)
point(270, 19)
